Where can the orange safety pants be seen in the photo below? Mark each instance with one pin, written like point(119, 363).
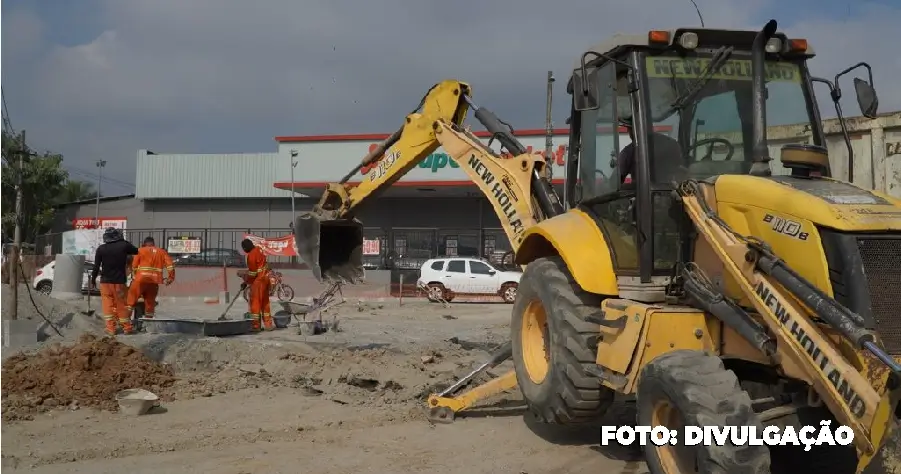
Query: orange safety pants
point(113, 301)
point(146, 290)
point(259, 303)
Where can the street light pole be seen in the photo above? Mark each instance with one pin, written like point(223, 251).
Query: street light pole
point(100, 164)
point(293, 165)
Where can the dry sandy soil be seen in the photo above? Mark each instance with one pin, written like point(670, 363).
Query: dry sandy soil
point(278, 402)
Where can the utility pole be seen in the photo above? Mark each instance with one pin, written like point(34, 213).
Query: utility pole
point(100, 164)
point(21, 150)
point(549, 126)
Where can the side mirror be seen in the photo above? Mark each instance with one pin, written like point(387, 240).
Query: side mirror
point(866, 98)
point(586, 95)
point(491, 272)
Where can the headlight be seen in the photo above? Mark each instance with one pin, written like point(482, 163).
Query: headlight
point(774, 45)
point(688, 40)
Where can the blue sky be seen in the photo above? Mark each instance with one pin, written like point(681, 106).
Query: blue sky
point(99, 79)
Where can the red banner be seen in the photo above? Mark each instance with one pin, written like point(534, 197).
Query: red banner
point(278, 246)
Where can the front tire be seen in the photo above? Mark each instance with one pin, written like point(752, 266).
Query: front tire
point(284, 292)
point(683, 388)
point(553, 345)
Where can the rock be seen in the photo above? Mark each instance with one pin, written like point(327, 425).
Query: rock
point(254, 369)
point(427, 359)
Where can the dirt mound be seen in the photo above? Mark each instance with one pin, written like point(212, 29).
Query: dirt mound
point(86, 374)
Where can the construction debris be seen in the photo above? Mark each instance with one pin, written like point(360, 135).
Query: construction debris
point(88, 374)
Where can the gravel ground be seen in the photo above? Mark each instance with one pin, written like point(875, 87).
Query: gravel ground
point(279, 402)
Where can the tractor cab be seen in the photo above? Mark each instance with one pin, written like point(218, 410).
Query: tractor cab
point(653, 110)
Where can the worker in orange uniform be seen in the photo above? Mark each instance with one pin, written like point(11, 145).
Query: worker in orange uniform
point(148, 266)
point(110, 262)
point(257, 276)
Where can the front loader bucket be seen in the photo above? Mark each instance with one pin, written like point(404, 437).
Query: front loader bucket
point(333, 248)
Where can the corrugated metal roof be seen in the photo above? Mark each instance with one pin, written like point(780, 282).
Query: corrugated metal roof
point(238, 175)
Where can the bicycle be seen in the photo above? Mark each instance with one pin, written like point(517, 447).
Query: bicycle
point(277, 288)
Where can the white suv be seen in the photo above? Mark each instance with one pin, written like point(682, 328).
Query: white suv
point(448, 277)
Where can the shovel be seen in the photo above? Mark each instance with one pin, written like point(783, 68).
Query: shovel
point(222, 316)
point(89, 311)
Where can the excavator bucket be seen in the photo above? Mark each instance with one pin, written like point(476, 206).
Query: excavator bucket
point(333, 248)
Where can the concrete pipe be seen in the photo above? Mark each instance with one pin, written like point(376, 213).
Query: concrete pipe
point(68, 277)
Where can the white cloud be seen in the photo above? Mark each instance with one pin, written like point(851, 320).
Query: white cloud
point(228, 75)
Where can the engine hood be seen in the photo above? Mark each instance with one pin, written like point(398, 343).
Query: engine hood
point(823, 201)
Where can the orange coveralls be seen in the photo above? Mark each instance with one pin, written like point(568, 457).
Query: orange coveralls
point(148, 267)
point(258, 278)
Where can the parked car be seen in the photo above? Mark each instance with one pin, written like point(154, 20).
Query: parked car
point(211, 258)
point(43, 280)
point(448, 277)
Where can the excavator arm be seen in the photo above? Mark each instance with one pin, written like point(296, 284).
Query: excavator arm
point(330, 239)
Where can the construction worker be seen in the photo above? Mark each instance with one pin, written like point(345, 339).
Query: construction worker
point(257, 276)
point(110, 261)
point(148, 266)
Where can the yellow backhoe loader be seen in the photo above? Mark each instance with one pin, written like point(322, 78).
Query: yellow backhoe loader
point(713, 289)
point(715, 284)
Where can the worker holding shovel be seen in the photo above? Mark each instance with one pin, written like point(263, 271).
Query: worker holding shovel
point(257, 276)
point(148, 266)
point(110, 261)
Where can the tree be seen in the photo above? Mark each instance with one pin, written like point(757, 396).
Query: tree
point(43, 181)
point(76, 190)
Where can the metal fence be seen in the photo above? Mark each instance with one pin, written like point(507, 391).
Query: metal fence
point(383, 247)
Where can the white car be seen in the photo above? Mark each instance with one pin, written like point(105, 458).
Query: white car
point(43, 280)
point(448, 277)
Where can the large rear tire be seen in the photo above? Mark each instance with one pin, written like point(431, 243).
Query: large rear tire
point(553, 344)
point(683, 388)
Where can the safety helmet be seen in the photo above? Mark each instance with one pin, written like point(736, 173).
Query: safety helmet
point(111, 235)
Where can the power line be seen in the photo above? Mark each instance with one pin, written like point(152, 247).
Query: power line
point(700, 17)
point(7, 123)
point(86, 173)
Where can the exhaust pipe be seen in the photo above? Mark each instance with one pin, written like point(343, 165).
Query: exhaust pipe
point(760, 161)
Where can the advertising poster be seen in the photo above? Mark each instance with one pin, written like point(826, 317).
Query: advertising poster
point(82, 242)
point(184, 245)
point(372, 246)
point(278, 246)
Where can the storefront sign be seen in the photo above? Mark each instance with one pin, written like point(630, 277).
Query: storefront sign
point(105, 223)
point(440, 160)
point(277, 246)
point(184, 245)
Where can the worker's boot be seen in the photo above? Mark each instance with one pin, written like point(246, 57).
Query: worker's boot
point(110, 325)
point(127, 328)
point(254, 323)
point(267, 322)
